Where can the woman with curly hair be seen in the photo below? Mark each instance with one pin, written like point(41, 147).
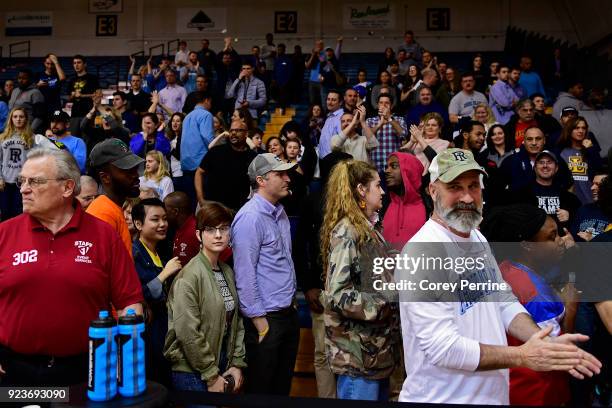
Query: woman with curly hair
point(362, 337)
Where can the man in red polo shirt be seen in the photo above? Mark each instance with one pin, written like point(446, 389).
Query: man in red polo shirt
point(182, 220)
point(59, 267)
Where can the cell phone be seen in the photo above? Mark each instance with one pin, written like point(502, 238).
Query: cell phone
point(230, 384)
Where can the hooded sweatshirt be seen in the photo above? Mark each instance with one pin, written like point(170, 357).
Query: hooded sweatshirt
point(566, 100)
point(405, 214)
point(32, 100)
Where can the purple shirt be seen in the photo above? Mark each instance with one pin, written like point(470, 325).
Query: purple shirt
point(501, 97)
point(261, 243)
point(331, 127)
point(172, 96)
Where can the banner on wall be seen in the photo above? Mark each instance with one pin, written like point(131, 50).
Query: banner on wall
point(20, 24)
point(198, 20)
point(368, 16)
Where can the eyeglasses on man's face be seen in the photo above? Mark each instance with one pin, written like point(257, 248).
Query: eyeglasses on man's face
point(35, 182)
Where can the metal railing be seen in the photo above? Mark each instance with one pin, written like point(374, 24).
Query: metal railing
point(26, 50)
point(174, 43)
point(157, 47)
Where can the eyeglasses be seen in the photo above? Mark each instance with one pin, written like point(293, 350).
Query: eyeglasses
point(224, 229)
point(90, 197)
point(35, 182)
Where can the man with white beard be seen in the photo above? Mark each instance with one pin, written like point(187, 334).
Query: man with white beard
point(455, 343)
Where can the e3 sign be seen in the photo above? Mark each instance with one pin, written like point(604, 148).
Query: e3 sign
point(285, 22)
point(106, 26)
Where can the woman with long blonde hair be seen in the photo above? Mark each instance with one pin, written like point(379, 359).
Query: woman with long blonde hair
point(15, 142)
point(362, 337)
point(156, 174)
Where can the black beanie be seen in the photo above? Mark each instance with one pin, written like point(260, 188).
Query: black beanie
point(512, 223)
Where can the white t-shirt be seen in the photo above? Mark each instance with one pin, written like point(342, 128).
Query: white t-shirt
point(441, 339)
point(163, 188)
point(175, 164)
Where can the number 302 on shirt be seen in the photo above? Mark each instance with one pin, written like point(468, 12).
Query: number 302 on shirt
point(25, 257)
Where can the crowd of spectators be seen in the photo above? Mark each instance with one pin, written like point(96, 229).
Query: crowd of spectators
point(225, 225)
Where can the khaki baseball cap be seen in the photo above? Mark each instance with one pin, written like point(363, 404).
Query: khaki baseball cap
point(451, 163)
point(265, 163)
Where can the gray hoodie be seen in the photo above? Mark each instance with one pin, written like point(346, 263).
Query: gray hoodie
point(33, 101)
point(564, 100)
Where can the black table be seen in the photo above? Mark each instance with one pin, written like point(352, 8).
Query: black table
point(156, 395)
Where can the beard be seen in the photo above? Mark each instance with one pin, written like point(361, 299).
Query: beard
point(457, 219)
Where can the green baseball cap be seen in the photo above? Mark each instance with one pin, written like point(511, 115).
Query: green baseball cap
point(451, 163)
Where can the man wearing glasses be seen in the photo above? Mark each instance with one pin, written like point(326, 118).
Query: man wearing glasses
point(222, 175)
point(59, 267)
point(464, 102)
point(249, 91)
point(89, 191)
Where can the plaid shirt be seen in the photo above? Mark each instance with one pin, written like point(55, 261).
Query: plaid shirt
point(388, 140)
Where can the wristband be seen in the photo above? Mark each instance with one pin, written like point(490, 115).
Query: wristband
point(264, 332)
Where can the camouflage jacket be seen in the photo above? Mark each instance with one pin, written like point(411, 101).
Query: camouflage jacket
point(362, 336)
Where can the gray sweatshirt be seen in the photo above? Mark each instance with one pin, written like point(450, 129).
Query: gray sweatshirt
point(12, 157)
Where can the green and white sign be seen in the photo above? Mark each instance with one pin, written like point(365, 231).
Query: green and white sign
point(368, 16)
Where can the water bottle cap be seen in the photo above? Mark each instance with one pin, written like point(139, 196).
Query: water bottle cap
point(104, 320)
point(131, 318)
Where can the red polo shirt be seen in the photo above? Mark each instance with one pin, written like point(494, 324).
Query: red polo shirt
point(51, 287)
point(186, 244)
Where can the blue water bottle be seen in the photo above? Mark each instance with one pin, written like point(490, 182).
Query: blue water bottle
point(131, 371)
point(102, 377)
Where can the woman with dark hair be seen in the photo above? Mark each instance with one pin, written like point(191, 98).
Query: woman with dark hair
point(413, 76)
point(499, 146)
point(313, 123)
point(449, 88)
point(149, 218)
point(150, 138)
point(275, 146)
point(205, 341)
point(581, 155)
point(388, 58)
point(244, 115)
point(480, 76)
point(413, 81)
point(174, 132)
point(538, 248)
point(50, 83)
point(384, 81)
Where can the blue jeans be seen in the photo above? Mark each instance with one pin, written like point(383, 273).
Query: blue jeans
point(359, 388)
point(189, 382)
